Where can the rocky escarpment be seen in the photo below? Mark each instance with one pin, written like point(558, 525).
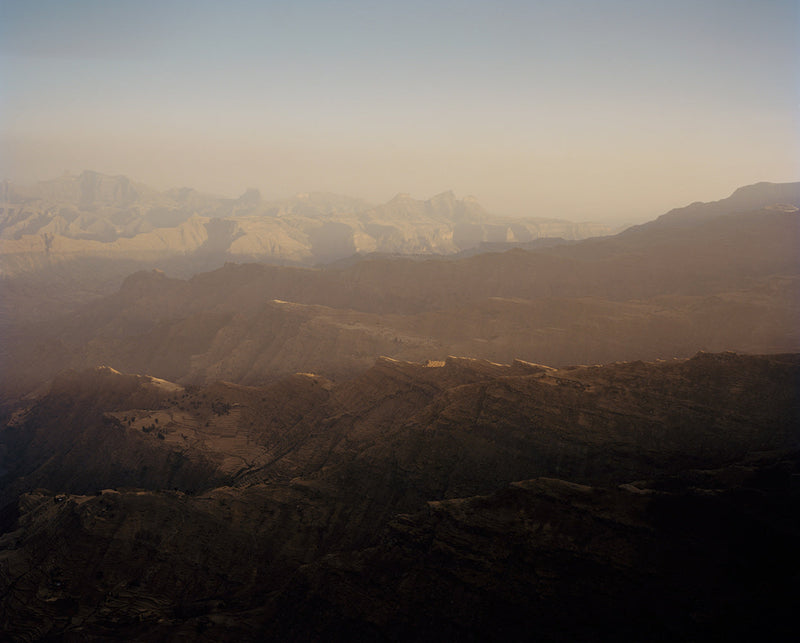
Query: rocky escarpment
point(457, 498)
point(558, 561)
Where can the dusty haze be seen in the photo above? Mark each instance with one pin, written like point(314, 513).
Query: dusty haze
point(567, 109)
point(321, 321)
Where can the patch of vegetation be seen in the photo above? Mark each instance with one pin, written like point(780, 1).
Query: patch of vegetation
point(220, 408)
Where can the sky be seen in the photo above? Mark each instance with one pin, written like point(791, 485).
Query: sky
point(610, 110)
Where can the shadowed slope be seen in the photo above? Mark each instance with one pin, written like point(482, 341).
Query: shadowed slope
point(381, 507)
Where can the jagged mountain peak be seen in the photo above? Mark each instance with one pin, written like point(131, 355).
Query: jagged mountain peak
point(251, 197)
point(91, 188)
point(444, 207)
point(447, 196)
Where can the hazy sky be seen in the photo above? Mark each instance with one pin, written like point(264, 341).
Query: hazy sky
point(577, 109)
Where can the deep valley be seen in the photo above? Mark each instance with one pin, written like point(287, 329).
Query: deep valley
point(574, 439)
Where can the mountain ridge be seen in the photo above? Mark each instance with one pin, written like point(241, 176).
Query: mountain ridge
point(100, 194)
point(725, 283)
point(87, 232)
point(556, 441)
point(744, 199)
point(570, 501)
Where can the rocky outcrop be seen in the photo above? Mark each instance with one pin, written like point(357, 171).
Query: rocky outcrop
point(457, 498)
point(558, 561)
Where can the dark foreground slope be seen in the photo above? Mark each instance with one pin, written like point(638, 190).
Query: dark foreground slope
point(465, 499)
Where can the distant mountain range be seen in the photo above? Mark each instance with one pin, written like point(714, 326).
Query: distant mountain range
point(93, 215)
point(721, 280)
point(73, 238)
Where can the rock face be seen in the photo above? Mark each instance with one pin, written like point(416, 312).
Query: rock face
point(456, 499)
